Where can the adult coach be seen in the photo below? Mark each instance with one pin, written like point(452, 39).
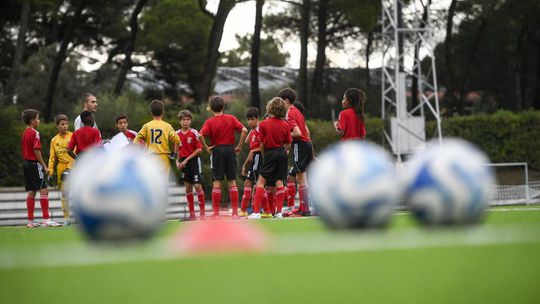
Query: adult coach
point(89, 104)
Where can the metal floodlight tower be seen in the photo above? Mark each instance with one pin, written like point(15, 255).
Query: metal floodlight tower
point(407, 38)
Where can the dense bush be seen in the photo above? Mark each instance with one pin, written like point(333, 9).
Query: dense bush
point(505, 136)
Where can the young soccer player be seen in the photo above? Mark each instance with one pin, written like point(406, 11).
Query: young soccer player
point(251, 166)
point(275, 140)
point(60, 161)
point(84, 138)
point(190, 163)
point(220, 130)
point(350, 124)
point(291, 178)
point(35, 170)
point(89, 104)
point(302, 150)
point(159, 136)
point(121, 122)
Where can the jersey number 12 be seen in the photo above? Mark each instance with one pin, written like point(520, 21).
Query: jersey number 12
point(155, 136)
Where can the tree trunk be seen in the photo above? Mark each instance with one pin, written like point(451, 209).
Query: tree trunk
point(318, 72)
point(130, 46)
point(369, 46)
point(255, 54)
point(304, 36)
point(19, 52)
point(467, 76)
point(449, 55)
point(57, 65)
point(212, 54)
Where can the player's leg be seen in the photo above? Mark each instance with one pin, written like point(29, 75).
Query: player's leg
point(61, 175)
point(280, 196)
point(200, 197)
point(30, 206)
point(258, 198)
point(271, 194)
point(230, 172)
point(246, 197)
point(291, 190)
point(304, 158)
point(190, 200)
point(31, 180)
point(217, 165)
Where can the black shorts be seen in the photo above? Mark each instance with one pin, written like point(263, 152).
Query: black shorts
point(302, 155)
point(274, 166)
point(34, 176)
point(253, 173)
point(223, 162)
point(192, 172)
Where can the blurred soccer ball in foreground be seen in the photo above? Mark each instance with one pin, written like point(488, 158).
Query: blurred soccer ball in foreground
point(449, 183)
point(118, 196)
point(352, 185)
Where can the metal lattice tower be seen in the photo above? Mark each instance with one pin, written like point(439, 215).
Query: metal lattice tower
point(408, 24)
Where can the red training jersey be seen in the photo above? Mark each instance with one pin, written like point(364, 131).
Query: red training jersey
point(221, 129)
point(352, 126)
point(296, 118)
point(84, 138)
point(274, 132)
point(254, 138)
point(130, 134)
point(190, 142)
point(30, 142)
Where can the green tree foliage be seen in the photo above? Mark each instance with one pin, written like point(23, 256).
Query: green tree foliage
point(272, 53)
point(175, 35)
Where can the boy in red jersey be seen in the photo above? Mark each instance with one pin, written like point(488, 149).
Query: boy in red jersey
point(84, 138)
point(302, 150)
point(35, 170)
point(275, 140)
point(253, 162)
point(220, 129)
point(190, 163)
point(350, 124)
point(121, 122)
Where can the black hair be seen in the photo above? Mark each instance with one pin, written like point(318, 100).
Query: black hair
point(288, 95)
point(357, 98)
point(157, 107)
point(217, 104)
point(121, 116)
point(29, 114)
point(87, 118)
point(252, 113)
point(299, 106)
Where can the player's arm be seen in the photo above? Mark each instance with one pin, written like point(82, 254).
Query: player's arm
point(243, 136)
point(203, 142)
point(296, 133)
point(39, 156)
point(338, 125)
point(141, 136)
point(52, 158)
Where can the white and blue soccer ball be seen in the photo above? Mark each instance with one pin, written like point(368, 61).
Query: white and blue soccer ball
point(449, 183)
point(352, 185)
point(118, 196)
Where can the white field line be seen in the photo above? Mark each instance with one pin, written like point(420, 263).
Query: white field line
point(301, 243)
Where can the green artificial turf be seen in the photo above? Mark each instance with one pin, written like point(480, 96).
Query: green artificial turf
point(406, 263)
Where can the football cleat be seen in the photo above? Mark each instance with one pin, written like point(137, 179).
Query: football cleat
point(50, 223)
point(254, 216)
point(242, 213)
point(278, 215)
point(32, 224)
point(266, 215)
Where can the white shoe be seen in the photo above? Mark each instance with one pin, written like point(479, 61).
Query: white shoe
point(254, 216)
point(278, 215)
point(33, 224)
point(66, 223)
point(50, 223)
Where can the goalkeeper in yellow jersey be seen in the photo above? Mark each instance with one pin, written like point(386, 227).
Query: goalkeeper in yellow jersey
point(59, 160)
point(159, 136)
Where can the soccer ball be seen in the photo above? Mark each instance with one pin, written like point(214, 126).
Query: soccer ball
point(118, 196)
point(352, 185)
point(449, 183)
